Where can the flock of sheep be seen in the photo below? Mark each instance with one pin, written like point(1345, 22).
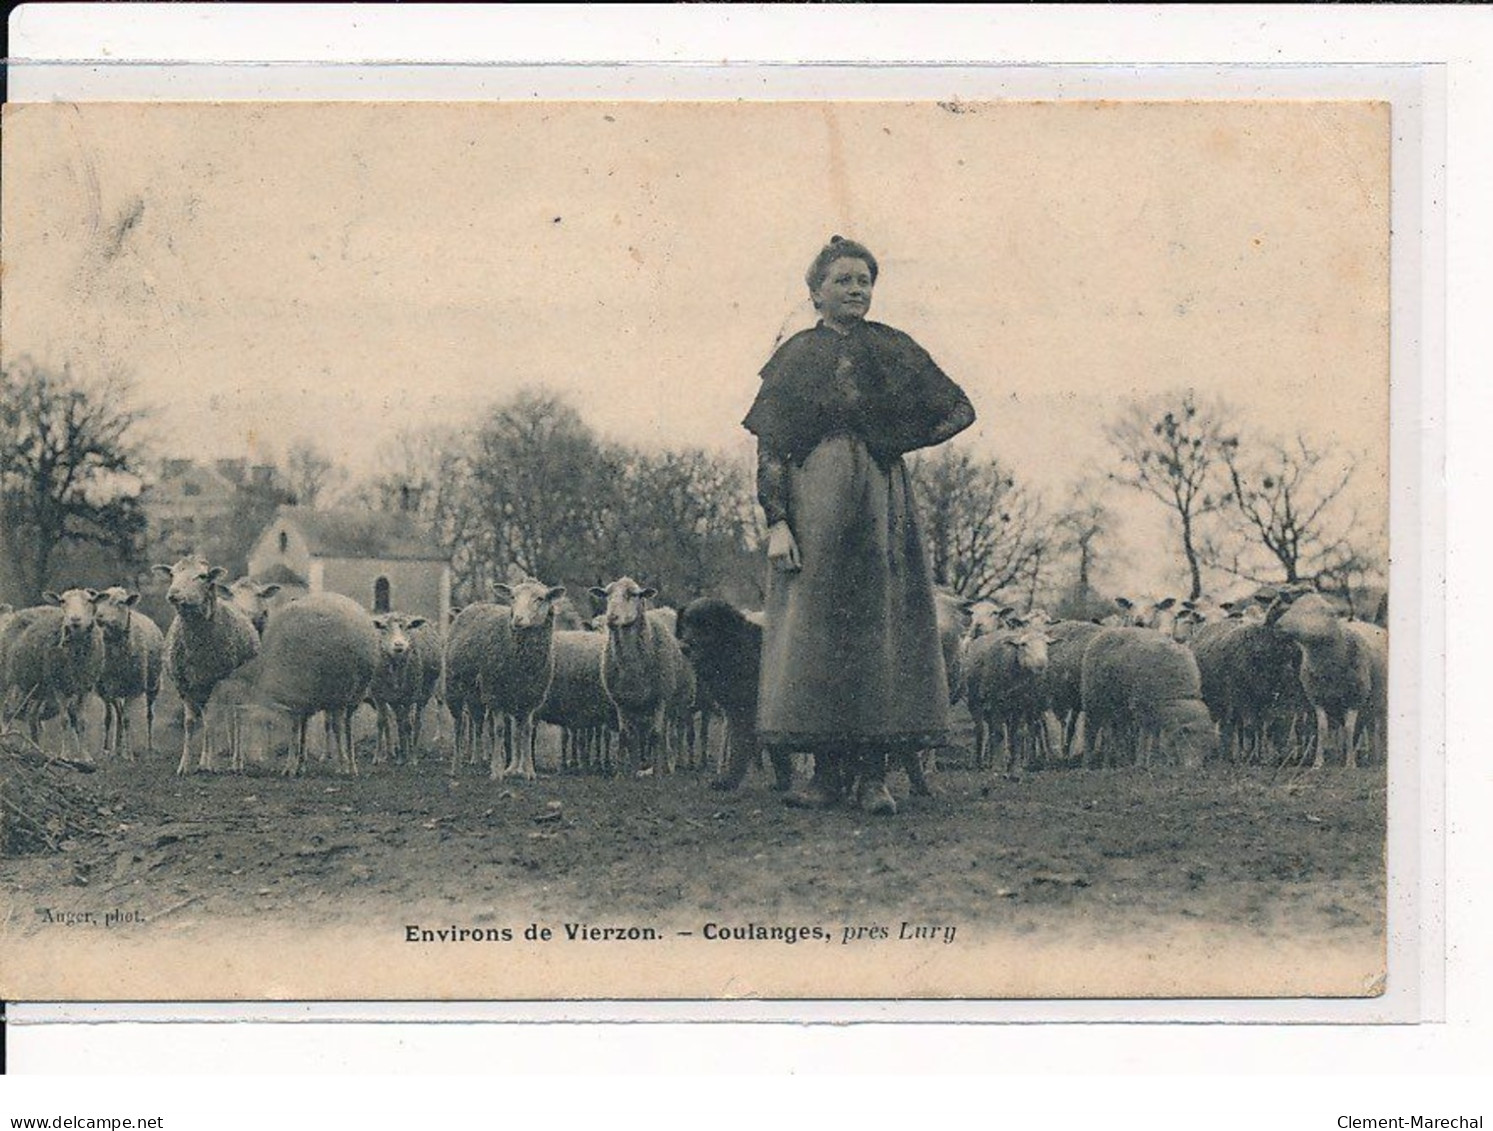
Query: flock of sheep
point(1278, 676)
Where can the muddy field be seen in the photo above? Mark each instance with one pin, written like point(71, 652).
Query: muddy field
point(1284, 854)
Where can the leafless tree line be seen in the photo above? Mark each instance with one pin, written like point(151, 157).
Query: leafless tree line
point(531, 487)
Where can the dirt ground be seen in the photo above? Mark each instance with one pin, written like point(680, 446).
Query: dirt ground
point(1276, 854)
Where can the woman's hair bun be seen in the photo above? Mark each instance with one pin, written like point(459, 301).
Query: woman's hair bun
point(837, 239)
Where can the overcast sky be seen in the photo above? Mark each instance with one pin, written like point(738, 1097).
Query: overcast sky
point(273, 272)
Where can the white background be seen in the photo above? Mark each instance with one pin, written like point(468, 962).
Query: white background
point(1301, 1076)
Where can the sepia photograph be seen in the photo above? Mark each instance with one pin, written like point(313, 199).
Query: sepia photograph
point(680, 550)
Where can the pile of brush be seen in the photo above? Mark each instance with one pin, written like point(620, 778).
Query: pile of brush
point(44, 801)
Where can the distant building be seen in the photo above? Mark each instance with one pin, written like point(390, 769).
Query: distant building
point(381, 560)
point(188, 504)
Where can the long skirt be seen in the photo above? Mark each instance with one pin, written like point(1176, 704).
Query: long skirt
point(850, 654)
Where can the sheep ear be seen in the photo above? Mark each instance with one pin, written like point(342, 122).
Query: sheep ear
point(648, 594)
point(162, 569)
point(598, 592)
point(1125, 602)
point(555, 592)
point(223, 591)
point(51, 598)
point(503, 590)
point(268, 590)
point(217, 573)
point(381, 621)
point(416, 622)
point(1167, 603)
point(967, 606)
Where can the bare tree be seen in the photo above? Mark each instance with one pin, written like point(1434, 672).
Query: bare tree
point(985, 532)
point(687, 515)
point(544, 491)
point(67, 468)
point(1171, 448)
point(1081, 527)
point(311, 474)
point(1290, 501)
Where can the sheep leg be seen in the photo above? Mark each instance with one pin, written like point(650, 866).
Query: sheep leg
point(108, 729)
point(150, 724)
point(497, 751)
point(1077, 741)
point(1320, 740)
point(459, 732)
point(344, 729)
point(1095, 753)
point(409, 733)
point(298, 753)
point(527, 742)
point(1350, 725)
point(122, 738)
point(74, 725)
point(186, 739)
point(381, 740)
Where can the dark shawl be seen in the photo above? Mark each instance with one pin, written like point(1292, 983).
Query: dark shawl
point(896, 398)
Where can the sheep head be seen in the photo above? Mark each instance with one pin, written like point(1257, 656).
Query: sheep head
point(113, 612)
point(253, 600)
point(1031, 648)
point(195, 587)
point(532, 601)
point(626, 602)
point(1307, 618)
point(78, 610)
point(987, 617)
point(1146, 614)
point(394, 635)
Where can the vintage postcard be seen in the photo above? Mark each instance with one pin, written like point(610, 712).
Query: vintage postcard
point(695, 550)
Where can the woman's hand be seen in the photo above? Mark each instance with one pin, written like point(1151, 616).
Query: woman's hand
point(782, 550)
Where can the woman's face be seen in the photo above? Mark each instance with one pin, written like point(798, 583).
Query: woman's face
point(845, 294)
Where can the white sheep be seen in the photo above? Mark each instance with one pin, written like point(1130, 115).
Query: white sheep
point(12, 624)
point(499, 662)
point(679, 727)
point(954, 618)
point(985, 617)
point(133, 648)
point(54, 658)
point(1006, 688)
point(319, 654)
point(1160, 615)
point(1344, 671)
point(642, 668)
point(400, 687)
point(1143, 691)
point(516, 677)
point(208, 638)
point(254, 600)
point(466, 645)
point(577, 702)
